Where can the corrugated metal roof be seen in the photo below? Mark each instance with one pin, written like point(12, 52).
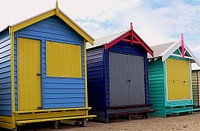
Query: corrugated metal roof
point(195, 66)
point(160, 49)
point(166, 50)
point(105, 40)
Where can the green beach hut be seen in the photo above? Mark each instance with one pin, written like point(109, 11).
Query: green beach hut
point(170, 79)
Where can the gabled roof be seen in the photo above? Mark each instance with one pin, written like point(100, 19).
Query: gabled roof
point(128, 36)
point(107, 39)
point(159, 49)
point(48, 14)
point(166, 50)
point(195, 67)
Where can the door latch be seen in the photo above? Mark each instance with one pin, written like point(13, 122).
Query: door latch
point(38, 74)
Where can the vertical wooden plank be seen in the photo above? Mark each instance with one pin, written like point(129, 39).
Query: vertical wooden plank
point(136, 74)
point(86, 86)
point(118, 77)
point(12, 79)
point(198, 87)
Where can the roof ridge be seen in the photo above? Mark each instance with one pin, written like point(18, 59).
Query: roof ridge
point(111, 35)
point(163, 44)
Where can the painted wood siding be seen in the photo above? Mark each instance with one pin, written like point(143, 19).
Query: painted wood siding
point(198, 86)
point(126, 48)
point(156, 86)
point(56, 92)
point(5, 74)
point(96, 81)
point(195, 86)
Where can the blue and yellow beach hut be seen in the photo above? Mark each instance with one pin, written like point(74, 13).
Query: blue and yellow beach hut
point(43, 74)
point(170, 79)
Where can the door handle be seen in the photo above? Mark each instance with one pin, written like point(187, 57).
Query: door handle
point(38, 74)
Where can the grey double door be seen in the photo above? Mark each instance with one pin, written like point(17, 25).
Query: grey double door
point(127, 83)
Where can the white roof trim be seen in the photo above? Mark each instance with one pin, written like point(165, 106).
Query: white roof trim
point(170, 50)
point(174, 47)
point(192, 55)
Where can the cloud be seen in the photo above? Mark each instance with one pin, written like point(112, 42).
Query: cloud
point(156, 21)
point(179, 17)
point(116, 17)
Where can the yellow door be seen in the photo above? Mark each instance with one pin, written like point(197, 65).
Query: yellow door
point(178, 79)
point(29, 81)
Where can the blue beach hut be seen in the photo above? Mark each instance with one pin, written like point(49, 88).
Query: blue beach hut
point(43, 74)
point(118, 76)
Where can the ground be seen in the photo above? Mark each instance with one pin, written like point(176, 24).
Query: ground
point(176, 123)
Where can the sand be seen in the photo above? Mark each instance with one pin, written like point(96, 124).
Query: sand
point(176, 123)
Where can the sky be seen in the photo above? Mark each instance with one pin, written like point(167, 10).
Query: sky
point(156, 21)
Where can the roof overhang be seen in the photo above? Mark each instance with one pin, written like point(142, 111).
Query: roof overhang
point(48, 14)
point(167, 53)
point(134, 39)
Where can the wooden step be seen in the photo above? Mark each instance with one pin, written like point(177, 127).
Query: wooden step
point(130, 106)
point(53, 119)
point(180, 106)
point(133, 112)
point(183, 111)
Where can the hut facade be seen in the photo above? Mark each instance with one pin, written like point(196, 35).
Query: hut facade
point(196, 86)
point(43, 74)
point(118, 76)
point(170, 79)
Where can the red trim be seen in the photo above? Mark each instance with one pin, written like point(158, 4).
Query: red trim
point(146, 47)
point(182, 48)
point(108, 45)
point(132, 34)
point(131, 26)
point(126, 40)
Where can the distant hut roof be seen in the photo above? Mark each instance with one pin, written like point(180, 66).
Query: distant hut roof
point(166, 50)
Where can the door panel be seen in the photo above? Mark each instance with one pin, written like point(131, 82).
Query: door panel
point(29, 83)
point(136, 74)
point(127, 85)
point(178, 72)
point(118, 77)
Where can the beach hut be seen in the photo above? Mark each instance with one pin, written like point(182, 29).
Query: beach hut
point(170, 79)
point(118, 75)
point(196, 86)
point(43, 75)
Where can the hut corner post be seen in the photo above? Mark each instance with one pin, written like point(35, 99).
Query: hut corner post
point(12, 81)
point(85, 66)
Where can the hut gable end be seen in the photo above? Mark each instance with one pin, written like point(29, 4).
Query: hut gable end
point(58, 91)
point(52, 28)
